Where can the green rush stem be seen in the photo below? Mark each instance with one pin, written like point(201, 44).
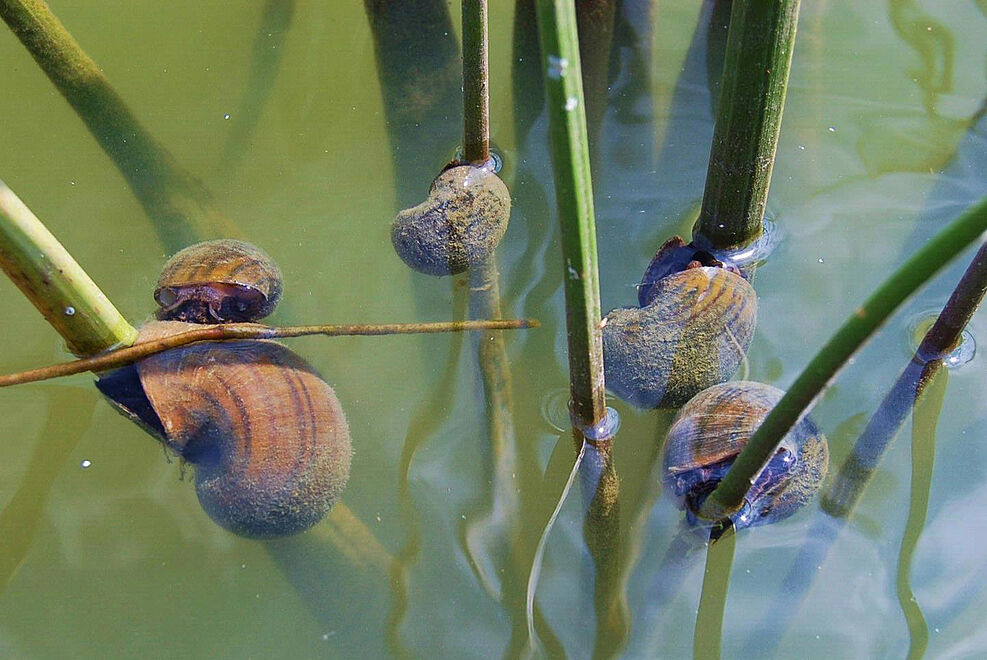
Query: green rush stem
point(574, 196)
point(958, 234)
point(178, 202)
point(55, 283)
point(748, 120)
point(476, 81)
point(238, 331)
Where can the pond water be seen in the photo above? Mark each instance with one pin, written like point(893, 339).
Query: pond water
point(104, 550)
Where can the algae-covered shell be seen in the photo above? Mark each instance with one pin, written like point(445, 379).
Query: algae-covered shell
point(458, 226)
point(266, 434)
point(218, 281)
point(694, 333)
point(711, 429)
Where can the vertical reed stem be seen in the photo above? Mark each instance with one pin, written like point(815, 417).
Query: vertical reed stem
point(748, 120)
point(476, 91)
point(52, 280)
point(574, 197)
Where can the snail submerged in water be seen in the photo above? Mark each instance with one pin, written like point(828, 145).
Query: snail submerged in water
point(220, 281)
point(693, 329)
point(267, 436)
point(707, 435)
point(458, 226)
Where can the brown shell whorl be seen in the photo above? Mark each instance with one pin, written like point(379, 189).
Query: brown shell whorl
point(267, 435)
point(458, 226)
point(695, 333)
point(224, 280)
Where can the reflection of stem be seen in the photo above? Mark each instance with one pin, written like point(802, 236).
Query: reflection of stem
point(55, 283)
point(932, 41)
point(238, 331)
point(595, 19)
point(20, 517)
point(924, 420)
point(179, 203)
point(601, 530)
point(265, 62)
point(716, 583)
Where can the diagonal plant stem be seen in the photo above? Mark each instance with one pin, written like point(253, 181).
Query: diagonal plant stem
point(179, 203)
point(758, 57)
point(58, 286)
point(574, 197)
point(867, 318)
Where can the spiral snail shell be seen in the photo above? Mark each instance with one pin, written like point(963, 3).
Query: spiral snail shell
point(267, 436)
point(458, 226)
point(692, 331)
point(711, 429)
point(218, 281)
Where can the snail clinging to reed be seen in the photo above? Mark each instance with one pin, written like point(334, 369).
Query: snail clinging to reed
point(692, 330)
point(708, 433)
point(458, 226)
point(267, 436)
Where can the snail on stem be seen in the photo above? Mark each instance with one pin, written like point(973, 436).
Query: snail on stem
point(692, 330)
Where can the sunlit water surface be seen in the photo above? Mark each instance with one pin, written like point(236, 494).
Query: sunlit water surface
point(105, 552)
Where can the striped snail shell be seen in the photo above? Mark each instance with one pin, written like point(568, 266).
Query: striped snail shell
point(267, 436)
point(458, 226)
point(220, 281)
point(693, 331)
point(711, 429)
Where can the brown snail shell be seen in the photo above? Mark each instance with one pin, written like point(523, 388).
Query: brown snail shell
point(711, 429)
point(694, 333)
point(218, 281)
point(458, 226)
point(266, 434)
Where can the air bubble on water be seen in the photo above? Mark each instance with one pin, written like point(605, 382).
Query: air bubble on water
point(85, 463)
point(226, 116)
point(70, 311)
point(821, 260)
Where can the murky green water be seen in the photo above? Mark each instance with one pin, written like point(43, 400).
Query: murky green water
point(104, 550)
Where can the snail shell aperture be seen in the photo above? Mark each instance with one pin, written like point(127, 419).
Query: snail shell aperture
point(711, 429)
point(267, 436)
point(694, 332)
point(458, 226)
point(219, 281)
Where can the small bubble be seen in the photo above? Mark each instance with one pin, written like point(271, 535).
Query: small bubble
point(243, 565)
point(71, 183)
point(821, 260)
point(226, 116)
point(831, 129)
point(801, 147)
point(85, 463)
point(70, 311)
point(557, 67)
point(378, 516)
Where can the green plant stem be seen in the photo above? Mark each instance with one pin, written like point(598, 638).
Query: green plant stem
point(712, 603)
point(52, 280)
point(476, 81)
point(240, 331)
point(574, 197)
point(962, 231)
point(748, 120)
point(180, 205)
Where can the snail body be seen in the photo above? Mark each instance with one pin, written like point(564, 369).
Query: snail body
point(267, 436)
point(711, 429)
point(692, 331)
point(458, 226)
point(220, 281)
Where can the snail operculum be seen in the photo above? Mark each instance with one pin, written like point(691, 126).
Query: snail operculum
point(708, 434)
point(693, 332)
point(458, 226)
point(218, 281)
